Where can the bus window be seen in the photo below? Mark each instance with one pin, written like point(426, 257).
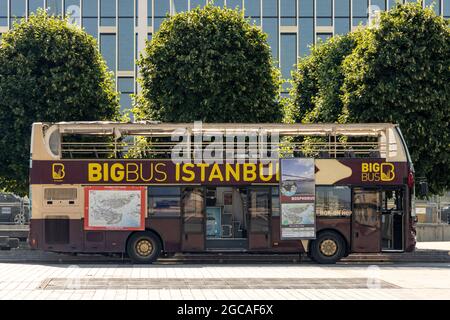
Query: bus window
point(192, 202)
point(334, 201)
point(164, 201)
point(275, 202)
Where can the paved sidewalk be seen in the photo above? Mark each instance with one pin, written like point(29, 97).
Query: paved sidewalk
point(434, 245)
point(260, 282)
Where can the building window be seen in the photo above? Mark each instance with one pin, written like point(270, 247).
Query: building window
point(342, 8)
point(162, 8)
point(333, 201)
point(288, 56)
point(233, 4)
point(306, 35)
point(17, 11)
point(125, 40)
point(54, 7)
point(164, 201)
point(219, 3)
point(323, 37)
point(360, 12)
point(270, 8)
point(125, 85)
point(90, 17)
point(288, 12)
point(33, 5)
point(324, 13)
point(180, 6)
point(72, 9)
point(379, 4)
point(446, 9)
point(197, 3)
point(435, 4)
point(108, 50)
point(108, 13)
point(306, 8)
point(3, 13)
point(341, 25)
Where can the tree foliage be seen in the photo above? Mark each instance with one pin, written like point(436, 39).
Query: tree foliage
point(399, 72)
point(209, 64)
point(318, 80)
point(50, 71)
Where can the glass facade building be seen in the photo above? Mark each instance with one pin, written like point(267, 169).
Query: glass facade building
point(122, 26)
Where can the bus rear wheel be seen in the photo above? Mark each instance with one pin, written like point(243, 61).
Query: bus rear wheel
point(328, 248)
point(143, 247)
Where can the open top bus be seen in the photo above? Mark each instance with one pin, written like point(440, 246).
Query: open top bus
point(145, 188)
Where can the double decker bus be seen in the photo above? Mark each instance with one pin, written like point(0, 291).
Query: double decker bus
point(148, 188)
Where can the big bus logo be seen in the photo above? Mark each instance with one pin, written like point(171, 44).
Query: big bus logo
point(377, 171)
point(58, 172)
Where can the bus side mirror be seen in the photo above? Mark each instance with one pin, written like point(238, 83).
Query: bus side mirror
point(423, 188)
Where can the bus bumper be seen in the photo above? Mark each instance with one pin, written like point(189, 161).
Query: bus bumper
point(7, 243)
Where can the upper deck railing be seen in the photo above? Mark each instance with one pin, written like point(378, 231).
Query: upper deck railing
point(112, 140)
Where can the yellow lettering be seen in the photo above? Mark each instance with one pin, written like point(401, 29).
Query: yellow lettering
point(117, 172)
point(215, 173)
point(229, 171)
point(249, 172)
point(141, 172)
point(177, 172)
point(376, 167)
point(364, 167)
point(188, 169)
point(134, 172)
point(163, 173)
point(261, 172)
point(202, 167)
point(94, 172)
point(105, 171)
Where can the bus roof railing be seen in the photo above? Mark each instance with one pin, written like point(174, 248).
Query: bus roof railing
point(159, 128)
point(369, 139)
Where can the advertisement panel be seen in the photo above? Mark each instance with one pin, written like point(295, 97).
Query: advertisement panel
point(115, 208)
point(297, 197)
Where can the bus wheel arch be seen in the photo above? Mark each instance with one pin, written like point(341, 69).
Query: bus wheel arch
point(328, 247)
point(144, 246)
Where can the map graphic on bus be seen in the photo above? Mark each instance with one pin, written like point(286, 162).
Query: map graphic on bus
point(114, 209)
point(298, 214)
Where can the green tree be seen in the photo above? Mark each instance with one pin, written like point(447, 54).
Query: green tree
point(400, 72)
point(317, 81)
point(50, 71)
point(209, 64)
point(397, 71)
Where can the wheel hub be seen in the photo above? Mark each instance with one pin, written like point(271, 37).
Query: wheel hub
point(328, 247)
point(144, 247)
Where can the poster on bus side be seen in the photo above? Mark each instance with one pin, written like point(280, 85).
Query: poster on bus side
point(115, 208)
point(297, 198)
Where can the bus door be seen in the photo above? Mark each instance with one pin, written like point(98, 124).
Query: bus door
point(259, 206)
point(366, 218)
point(392, 219)
point(193, 218)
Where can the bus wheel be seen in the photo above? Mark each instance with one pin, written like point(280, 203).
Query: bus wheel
point(328, 248)
point(143, 247)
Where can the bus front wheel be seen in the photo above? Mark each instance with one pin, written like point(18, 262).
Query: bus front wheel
point(327, 248)
point(143, 247)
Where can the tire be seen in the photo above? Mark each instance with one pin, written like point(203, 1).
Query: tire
point(143, 247)
point(327, 248)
